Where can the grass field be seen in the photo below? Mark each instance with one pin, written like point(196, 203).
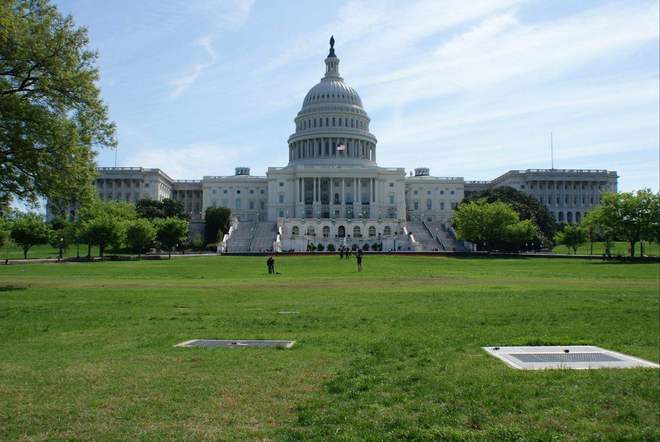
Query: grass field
point(393, 353)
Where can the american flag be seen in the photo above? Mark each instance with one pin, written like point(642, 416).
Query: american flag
point(341, 147)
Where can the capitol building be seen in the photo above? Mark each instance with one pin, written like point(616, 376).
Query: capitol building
point(332, 191)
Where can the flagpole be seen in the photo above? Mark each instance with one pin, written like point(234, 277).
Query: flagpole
point(552, 153)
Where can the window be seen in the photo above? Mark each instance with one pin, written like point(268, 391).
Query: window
point(262, 191)
point(281, 184)
point(387, 231)
point(295, 231)
point(213, 191)
point(311, 231)
point(442, 192)
point(452, 192)
point(442, 206)
point(391, 184)
point(341, 231)
point(281, 198)
point(429, 204)
point(251, 205)
point(326, 231)
point(391, 199)
point(416, 205)
point(357, 233)
point(251, 191)
point(372, 232)
point(238, 192)
point(281, 213)
point(224, 191)
point(238, 204)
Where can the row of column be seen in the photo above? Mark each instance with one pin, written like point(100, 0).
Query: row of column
point(332, 148)
point(357, 187)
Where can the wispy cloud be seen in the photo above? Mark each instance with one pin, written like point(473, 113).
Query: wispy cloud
point(226, 14)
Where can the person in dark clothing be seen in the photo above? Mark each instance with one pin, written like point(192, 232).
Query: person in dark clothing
point(270, 262)
point(359, 260)
point(341, 253)
point(348, 253)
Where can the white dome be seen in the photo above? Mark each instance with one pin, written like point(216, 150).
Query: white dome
point(332, 127)
point(331, 91)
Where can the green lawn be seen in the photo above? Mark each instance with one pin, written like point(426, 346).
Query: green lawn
point(393, 353)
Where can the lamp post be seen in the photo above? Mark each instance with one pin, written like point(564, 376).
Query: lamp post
point(395, 241)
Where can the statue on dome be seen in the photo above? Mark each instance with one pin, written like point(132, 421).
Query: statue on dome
point(332, 46)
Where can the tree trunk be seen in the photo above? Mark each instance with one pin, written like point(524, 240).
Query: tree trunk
point(25, 250)
point(632, 248)
point(89, 250)
point(169, 253)
point(101, 248)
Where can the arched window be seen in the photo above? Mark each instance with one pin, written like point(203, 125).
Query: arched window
point(372, 232)
point(569, 217)
point(357, 233)
point(311, 231)
point(238, 204)
point(295, 231)
point(326, 231)
point(341, 231)
point(560, 217)
point(387, 231)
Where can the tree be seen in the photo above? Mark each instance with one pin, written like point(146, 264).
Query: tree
point(167, 208)
point(522, 235)
point(102, 230)
point(493, 226)
point(140, 235)
point(526, 206)
point(52, 113)
point(29, 230)
point(170, 232)
point(62, 235)
point(630, 216)
point(572, 236)
point(104, 221)
point(173, 209)
point(149, 209)
point(4, 232)
point(216, 223)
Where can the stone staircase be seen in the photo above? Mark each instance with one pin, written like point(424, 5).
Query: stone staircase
point(423, 237)
point(240, 239)
point(265, 234)
point(445, 237)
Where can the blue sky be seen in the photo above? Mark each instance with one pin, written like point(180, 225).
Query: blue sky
point(467, 88)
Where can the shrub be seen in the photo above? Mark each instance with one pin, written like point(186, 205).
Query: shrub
point(331, 248)
point(320, 247)
point(365, 247)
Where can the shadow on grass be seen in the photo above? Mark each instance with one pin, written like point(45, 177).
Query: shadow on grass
point(11, 288)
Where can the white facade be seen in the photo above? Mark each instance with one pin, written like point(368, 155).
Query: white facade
point(332, 189)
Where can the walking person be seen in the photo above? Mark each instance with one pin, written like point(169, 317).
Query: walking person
point(341, 252)
point(358, 257)
point(270, 262)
